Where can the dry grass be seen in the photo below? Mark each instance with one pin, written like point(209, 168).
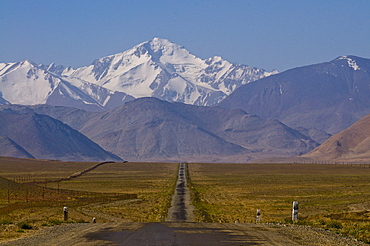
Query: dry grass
point(111, 192)
point(336, 197)
point(29, 170)
point(152, 182)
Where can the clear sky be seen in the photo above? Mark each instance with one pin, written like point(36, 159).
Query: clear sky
point(269, 34)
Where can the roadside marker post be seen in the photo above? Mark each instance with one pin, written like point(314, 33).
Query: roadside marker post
point(295, 211)
point(65, 212)
point(258, 217)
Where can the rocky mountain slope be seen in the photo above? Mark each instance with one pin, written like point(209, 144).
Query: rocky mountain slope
point(11, 149)
point(330, 96)
point(151, 129)
point(351, 144)
point(40, 136)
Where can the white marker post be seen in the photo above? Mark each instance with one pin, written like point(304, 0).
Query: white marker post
point(295, 211)
point(258, 217)
point(65, 212)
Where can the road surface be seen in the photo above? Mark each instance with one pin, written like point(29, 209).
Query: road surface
point(181, 209)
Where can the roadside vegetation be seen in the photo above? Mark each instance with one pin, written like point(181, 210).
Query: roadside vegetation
point(334, 197)
point(113, 192)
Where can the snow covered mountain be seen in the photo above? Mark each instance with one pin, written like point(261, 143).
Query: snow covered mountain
point(156, 68)
point(161, 69)
point(26, 83)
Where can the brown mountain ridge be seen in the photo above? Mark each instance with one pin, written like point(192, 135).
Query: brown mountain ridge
point(351, 144)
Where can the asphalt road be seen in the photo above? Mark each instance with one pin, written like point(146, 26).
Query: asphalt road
point(181, 209)
point(206, 234)
point(178, 234)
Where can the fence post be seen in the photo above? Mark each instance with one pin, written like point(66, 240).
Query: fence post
point(295, 211)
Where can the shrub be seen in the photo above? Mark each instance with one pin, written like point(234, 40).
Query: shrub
point(55, 222)
point(81, 221)
point(287, 221)
point(334, 224)
point(5, 222)
point(25, 226)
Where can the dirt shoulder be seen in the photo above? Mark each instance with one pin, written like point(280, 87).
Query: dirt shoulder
point(182, 234)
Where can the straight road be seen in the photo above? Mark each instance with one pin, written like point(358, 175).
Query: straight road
point(181, 209)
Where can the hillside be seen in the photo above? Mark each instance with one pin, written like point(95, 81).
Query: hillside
point(330, 96)
point(351, 144)
point(44, 137)
point(11, 149)
point(151, 129)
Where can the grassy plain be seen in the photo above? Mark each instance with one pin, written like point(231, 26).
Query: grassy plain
point(111, 192)
point(336, 197)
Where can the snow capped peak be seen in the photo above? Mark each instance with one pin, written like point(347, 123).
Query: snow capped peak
point(155, 68)
point(162, 69)
point(164, 51)
point(55, 69)
point(160, 44)
point(155, 47)
point(28, 63)
point(351, 62)
point(51, 66)
point(25, 83)
point(214, 59)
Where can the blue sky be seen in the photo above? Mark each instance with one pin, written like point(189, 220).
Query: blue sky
point(279, 34)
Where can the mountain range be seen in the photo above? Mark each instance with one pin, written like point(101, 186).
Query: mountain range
point(159, 102)
point(329, 96)
point(26, 83)
point(156, 68)
point(149, 129)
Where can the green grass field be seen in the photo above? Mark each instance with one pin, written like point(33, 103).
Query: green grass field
point(336, 197)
